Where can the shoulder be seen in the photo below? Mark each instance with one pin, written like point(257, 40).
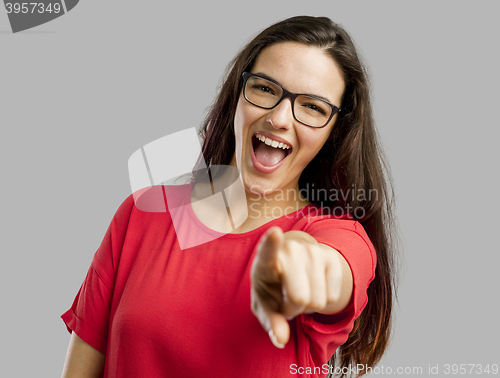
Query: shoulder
point(158, 198)
point(138, 224)
point(313, 217)
point(341, 233)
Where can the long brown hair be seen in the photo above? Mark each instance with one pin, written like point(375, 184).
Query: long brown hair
point(351, 161)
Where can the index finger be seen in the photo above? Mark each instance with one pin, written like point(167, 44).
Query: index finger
point(267, 251)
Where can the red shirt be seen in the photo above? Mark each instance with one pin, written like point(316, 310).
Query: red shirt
point(155, 310)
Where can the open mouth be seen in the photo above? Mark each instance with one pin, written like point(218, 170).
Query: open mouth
point(269, 153)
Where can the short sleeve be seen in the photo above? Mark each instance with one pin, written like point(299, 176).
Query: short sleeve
point(89, 315)
point(322, 334)
point(351, 241)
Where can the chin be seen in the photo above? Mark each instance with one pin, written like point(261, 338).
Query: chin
point(259, 187)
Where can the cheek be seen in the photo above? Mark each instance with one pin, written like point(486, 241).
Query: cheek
point(311, 144)
point(244, 117)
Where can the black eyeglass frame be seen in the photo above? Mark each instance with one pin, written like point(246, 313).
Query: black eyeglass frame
point(290, 95)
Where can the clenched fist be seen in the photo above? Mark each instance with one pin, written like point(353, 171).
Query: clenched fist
point(293, 274)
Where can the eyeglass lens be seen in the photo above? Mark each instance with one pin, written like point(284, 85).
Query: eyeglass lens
point(308, 110)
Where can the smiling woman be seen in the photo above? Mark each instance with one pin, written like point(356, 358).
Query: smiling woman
point(293, 289)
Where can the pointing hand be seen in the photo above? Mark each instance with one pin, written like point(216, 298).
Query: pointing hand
point(293, 274)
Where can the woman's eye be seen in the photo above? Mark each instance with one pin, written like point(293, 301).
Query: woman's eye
point(264, 88)
point(315, 108)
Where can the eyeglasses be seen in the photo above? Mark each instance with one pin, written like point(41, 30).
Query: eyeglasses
point(306, 109)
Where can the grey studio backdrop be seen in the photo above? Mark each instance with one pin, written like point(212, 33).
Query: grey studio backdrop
point(80, 94)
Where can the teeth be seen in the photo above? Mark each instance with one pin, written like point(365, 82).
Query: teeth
point(272, 143)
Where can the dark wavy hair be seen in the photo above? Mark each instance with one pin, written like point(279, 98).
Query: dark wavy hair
point(351, 159)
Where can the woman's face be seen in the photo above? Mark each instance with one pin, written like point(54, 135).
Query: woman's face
point(299, 69)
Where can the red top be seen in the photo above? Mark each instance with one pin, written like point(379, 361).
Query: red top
point(155, 310)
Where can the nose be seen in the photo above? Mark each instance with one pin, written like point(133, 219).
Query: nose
point(281, 117)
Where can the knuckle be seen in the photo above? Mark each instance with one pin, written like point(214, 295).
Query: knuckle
point(333, 296)
point(318, 303)
point(288, 249)
point(299, 299)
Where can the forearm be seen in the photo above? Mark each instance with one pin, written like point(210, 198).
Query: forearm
point(82, 360)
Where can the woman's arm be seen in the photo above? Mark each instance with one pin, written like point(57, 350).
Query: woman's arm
point(82, 360)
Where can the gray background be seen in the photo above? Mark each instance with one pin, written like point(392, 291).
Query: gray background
point(80, 94)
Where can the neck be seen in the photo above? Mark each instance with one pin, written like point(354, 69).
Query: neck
point(263, 208)
point(247, 210)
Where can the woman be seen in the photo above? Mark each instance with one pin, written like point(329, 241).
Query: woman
point(294, 117)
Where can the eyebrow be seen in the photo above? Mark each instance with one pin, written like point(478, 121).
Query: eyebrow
point(307, 94)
